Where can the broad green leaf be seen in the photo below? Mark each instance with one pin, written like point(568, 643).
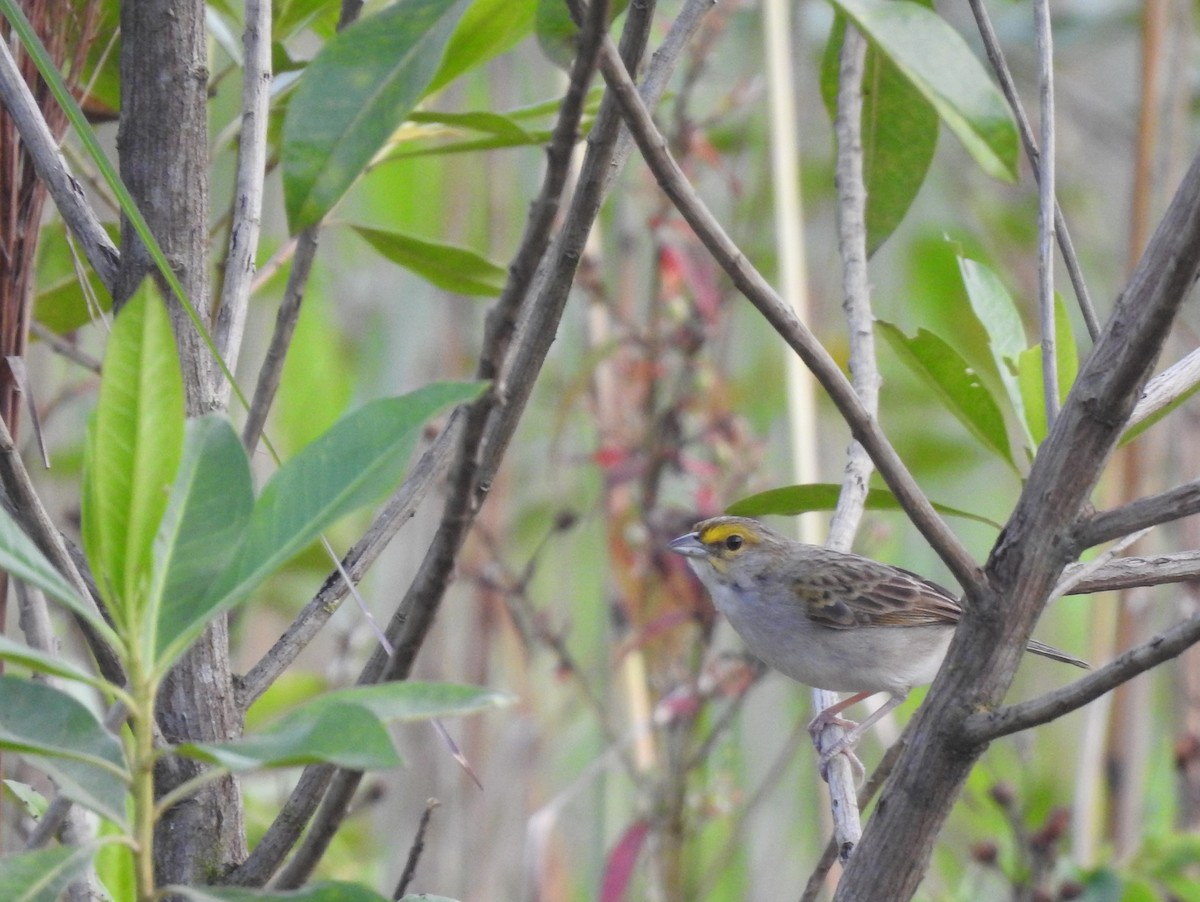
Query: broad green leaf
point(43, 875)
point(23, 560)
point(357, 90)
point(408, 701)
point(996, 312)
point(1029, 372)
point(944, 370)
point(343, 734)
point(42, 662)
point(793, 500)
point(488, 28)
point(352, 464)
point(64, 739)
point(332, 891)
point(206, 515)
point(60, 304)
point(134, 443)
point(899, 134)
point(938, 62)
point(448, 267)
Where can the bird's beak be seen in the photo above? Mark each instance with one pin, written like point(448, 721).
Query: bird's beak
point(689, 546)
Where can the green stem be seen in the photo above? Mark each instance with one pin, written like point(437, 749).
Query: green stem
point(144, 813)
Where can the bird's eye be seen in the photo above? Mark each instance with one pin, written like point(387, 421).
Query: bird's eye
point(734, 542)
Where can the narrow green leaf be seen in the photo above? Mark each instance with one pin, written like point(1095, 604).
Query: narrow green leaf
point(409, 701)
point(343, 734)
point(452, 268)
point(996, 312)
point(958, 385)
point(488, 29)
point(135, 440)
point(352, 464)
point(478, 120)
point(64, 739)
point(357, 90)
point(938, 62)
point(793, 500)
point(899, 134)
point(331, 891)
point(44, 875)
point(206, 515)
point(41, 662)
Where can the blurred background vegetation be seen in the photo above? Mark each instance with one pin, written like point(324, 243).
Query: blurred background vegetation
point(644, 749)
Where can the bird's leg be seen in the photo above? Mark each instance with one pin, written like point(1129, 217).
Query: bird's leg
point(854, 731)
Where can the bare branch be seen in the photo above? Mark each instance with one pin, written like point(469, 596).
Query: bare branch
point(414, 852)
point(1131, 572)
point(52, 169)
point(995, 56)
point(1046, 207)
point(1173, 383)
point(985, 727)
point(248, 193)
point(1173, 504)
point(756, 289)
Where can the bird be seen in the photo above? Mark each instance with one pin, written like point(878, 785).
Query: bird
point(829, 619)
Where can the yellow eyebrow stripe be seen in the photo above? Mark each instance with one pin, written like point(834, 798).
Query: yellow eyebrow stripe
point(719, 532)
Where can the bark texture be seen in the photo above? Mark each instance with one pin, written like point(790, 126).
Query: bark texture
point(163, 145)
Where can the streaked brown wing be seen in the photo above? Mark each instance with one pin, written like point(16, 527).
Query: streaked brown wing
point(850, 591)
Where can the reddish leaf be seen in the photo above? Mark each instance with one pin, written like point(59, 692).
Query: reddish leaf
point(619, 868)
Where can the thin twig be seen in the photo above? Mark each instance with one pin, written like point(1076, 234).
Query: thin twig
point(281, 338)
point(759, 292)
point(991, 45)
point(248, 193)
point(414, 852)
point(60, 345)
point(1131, 572)
point(988, 726)
point(1046, 205)
point(833, 850)
point(1173, 383)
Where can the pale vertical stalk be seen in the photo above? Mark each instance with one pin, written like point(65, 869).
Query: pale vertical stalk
point(789, 242)
point(1046, 207)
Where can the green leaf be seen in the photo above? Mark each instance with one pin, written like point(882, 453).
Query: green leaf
point(53, 665)
point(64, 739)
point(488, 28)
point(44, 875)
point(207, 513)
point(357, 90)
point(939, 64)
point(343, 734)
point(60, 304)
point(409, 701)
point(352, 464)
point(134, 443)
point(446, 266)
point(32, 802)
point(793, 500)
point(1029, 372)
point(944, 370)
point(332, 891)
point(23, 560)
point(996, 312)
point(899, 134)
